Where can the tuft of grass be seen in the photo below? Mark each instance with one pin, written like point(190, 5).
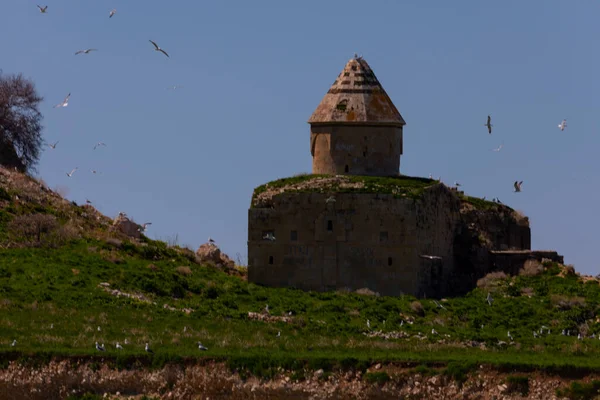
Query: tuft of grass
point(399, 186)
point(378, 377)
point(518, 384)
point(459, 370)
point(580, 391)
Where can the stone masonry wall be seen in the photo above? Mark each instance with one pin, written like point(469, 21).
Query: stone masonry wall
point(365, 150)
point(361, 240)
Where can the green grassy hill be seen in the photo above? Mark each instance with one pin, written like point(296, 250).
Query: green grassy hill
point(59, 286)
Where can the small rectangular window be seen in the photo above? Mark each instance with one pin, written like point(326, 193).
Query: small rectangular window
point(330, 225)
point(270, 260)
point(294, 235)
point(383, 236)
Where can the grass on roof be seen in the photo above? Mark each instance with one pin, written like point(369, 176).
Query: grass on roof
point(397, 185)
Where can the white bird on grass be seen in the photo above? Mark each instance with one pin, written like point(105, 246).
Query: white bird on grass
point(563, 125)
point(433, 331)
point(489, 124)
point(509, 336)
point(148, 349)
point(64, 103)
point(489, 299)
point(14, 343)
point(119, 347)
point(99, 144)
point(100, 348)
point(112, 12)
point(86, 51)
point(202, 347)
point(278, 334)
point(70, 174)
point(43, 9)
point(368, 324)
point(517, 186)
point(156, 48)
point(53, 146)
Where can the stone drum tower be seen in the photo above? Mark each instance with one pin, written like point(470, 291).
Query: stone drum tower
point(356, 129)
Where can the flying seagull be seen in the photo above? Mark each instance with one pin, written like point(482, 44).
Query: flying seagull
point(563, 125)
point(93, 171)
point(99, 144)
point(112, 12)
point(517, 186)
point(159, 49)
point(70, 174)
point(148, 349)
point(202, 347)
point(53, 146)
point(64, 103)
point(269, 236)
point(489, 124)
point(43, 9)
point(119, 347)
point(498, 148)
point(144, 227)
point(174, 87)
point(100, 348)
point(86, 51)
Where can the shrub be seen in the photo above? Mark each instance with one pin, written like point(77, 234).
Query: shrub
point(527, 292)
point(518, 384)
point(491, 280)
point(417, 308)
point(565, 303)
point(186, 271)
point(531, 268)
point(33, 229)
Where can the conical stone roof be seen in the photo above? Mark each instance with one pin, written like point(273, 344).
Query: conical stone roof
point(357, 97)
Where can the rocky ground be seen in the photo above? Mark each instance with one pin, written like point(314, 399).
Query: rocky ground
point(61, 379)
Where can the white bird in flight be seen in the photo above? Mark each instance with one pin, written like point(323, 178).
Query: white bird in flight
point(159, 49)
point(144, 227)
point(69, 174)
point(499, 147)
point(86, 51)
point(269, 236)
point(517, 186)
point(99, 144)
point(53, 146)
point(489, 124)
point(112, 12)
point(65, 102)
point(43, 9)
point(563, 125)
point(174, 87)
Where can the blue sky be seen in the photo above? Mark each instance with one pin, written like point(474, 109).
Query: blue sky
point(253, 73)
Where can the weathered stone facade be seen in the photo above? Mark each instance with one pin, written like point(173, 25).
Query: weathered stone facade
point(432, 242)
point(379, 242)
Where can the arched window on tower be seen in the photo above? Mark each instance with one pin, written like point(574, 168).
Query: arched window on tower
point(346, 169)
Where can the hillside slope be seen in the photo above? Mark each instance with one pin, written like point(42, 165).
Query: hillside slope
point(64, 288)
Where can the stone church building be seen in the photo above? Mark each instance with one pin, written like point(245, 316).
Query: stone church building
point(356, 222)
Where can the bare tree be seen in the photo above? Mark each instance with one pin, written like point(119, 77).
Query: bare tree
point(20, 123)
